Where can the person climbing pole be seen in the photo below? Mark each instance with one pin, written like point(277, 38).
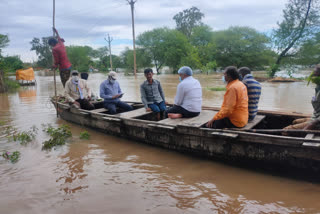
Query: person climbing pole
point(60, 57)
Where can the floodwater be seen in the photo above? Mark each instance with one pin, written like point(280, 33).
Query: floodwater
point(107, 174)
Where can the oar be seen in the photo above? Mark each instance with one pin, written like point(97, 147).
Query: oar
point(54, 70)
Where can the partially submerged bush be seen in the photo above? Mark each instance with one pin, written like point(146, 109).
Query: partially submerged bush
point(14, 157)
point(25, 136)
point(59, 136)
point(84, 135)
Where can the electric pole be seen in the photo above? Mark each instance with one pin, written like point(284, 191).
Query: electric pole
point(131, 2)
point(109, 41)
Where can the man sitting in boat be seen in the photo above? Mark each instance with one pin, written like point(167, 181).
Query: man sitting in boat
point(254, 91)
point(234, 109)
point(152, 95)
point(60, 57)
point(312, 123)
point(111, 92)
point(77, 92)
point(188, 100)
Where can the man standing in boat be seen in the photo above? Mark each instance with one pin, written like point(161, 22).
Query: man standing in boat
point(60, 57)
point(188, 100)
point(77, 92)
point(152, 95)
point(234, 109)
point(254, 91)
point(111, 92)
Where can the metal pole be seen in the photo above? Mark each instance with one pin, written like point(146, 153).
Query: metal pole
point(54, 71)
point(133, 35)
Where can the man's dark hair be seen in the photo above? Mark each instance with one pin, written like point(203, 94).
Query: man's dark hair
point(244, 71)
point(52, 41)
point(148, 70)
point(232, 72)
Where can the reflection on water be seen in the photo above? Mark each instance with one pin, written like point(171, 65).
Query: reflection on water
point(111, 175)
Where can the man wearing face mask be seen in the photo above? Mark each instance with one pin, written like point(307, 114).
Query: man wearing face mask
point(188, 100)
point(77, 92)
point(111, 92)
point(234, 109)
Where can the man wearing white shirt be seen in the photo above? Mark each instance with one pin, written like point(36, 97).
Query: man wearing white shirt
point(188, 100)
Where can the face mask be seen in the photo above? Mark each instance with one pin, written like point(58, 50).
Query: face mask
point(111, 80)
point(75, 78)
point(180, 79)
point(224, 80)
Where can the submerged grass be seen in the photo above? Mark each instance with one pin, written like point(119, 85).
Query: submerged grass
point(58, 135)
point(14, 157)
point(216, 88)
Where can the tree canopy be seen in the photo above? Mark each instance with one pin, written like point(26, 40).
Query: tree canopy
point(187, 20)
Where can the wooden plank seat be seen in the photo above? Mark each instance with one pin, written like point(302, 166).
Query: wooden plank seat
point(198, 121)
point(254, 122)
point(99, 110)
point(134, 113)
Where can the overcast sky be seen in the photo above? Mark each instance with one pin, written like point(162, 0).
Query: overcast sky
point(82, 22)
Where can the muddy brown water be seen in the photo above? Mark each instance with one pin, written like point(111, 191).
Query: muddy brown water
point(107, 174)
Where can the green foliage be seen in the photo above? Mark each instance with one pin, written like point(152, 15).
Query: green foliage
point(187, 20)
point(308, 54)
point(143, 59)
point(154, 43)
point(210, 66)
point(84, 135)
point(79, 57)
point(313, 79)
point(241, 46)
point(104, 63)
point(14, 157)
point(4, 42)
point(11, 63)
point(300, 22)
point(216, 89)
point(43, 51)
point(274, 68)
point(177, 48)
point(59, 136)
point(25, 136)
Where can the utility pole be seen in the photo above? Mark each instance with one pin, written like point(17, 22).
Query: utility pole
point(109, 41)
point(131, 2)
point(54, 71)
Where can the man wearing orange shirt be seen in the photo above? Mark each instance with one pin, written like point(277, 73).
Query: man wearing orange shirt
point(234, 109)
point(60, 57)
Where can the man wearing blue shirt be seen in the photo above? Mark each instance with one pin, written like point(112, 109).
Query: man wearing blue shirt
point(188, 100)
point(254, 91)
point(111, 93)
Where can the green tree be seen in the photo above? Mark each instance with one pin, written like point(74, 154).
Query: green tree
point(104, 63)
point(309, 53)
point(154, 43)
point(300, 21)
point(177, 48)
point(187, 20)
point(79, 57)
point(43, 51)
point(11, 63)
point(143, 58)
point(201, 39)
point(241, 46)
point(4, 42)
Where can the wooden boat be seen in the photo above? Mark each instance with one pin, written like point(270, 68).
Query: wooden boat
point(260, 144)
